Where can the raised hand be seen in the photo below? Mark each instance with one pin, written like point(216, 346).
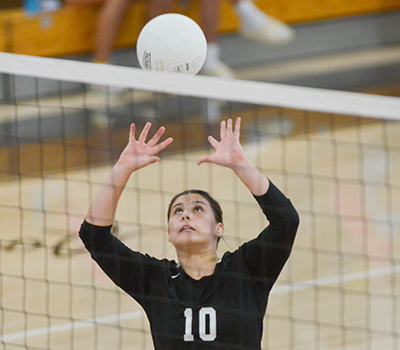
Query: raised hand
point(228, 151)
point(138, 154)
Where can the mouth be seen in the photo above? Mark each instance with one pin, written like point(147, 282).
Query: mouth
point(186, 227)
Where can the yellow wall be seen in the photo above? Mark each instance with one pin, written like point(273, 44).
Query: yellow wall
point(70, 30)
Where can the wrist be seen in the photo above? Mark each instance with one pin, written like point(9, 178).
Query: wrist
point(251, 177)
point(241, 164)
point(121, 171)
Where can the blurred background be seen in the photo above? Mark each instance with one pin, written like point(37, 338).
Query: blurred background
point(346, 45)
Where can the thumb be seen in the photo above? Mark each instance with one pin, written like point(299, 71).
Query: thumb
point(148, 161)
point(205, 159)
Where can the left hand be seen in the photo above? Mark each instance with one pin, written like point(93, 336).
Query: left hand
point(228, 151)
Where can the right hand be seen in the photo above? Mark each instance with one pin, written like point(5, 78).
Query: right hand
point(138, 154)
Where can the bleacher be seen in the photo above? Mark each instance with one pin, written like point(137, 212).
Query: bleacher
point(70, 30)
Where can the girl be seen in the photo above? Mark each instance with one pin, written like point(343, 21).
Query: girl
point(201, 301)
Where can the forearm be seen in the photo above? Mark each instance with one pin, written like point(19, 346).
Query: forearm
point(251, 177)
point(104, 205)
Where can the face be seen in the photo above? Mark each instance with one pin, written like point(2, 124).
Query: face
point(192, 223)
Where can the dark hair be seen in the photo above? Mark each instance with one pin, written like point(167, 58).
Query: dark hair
point(216, 208)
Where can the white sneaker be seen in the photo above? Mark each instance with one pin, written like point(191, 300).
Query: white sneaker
point(219, 69)
point(268, 30)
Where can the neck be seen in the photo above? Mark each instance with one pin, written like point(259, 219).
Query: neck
point(198, 265)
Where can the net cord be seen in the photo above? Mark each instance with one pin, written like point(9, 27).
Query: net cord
point(259, 93)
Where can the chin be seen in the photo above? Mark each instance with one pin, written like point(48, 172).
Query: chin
point(186, 242)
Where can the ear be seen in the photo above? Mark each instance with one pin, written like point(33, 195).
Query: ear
point(169, 237)
point(220, 229)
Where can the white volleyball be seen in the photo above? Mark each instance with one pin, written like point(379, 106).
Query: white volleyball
point(172, 43)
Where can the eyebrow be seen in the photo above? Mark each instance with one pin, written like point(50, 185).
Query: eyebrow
point(194, 202)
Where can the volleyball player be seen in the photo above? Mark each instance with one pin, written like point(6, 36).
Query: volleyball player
point(201, 301)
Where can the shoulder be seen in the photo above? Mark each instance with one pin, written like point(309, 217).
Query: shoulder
point(233, 261)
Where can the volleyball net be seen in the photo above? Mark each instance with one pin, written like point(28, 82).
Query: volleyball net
point(336, 155)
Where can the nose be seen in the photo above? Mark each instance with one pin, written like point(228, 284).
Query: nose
point(185, 215)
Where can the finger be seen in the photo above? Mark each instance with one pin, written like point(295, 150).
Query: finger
point(146, 162)
point(132, 132)
point(229, 128)
point(149, 161)
point(153, 141)
point(154, 159)
point(213, 141)
point(205, 159)
point(144, 133)
point(162, 145)
point(222, 131)
point(237, 127)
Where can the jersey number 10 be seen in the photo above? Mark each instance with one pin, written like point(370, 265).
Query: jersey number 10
point(207, 316)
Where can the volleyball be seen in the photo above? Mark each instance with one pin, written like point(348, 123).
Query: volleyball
point(172, 43)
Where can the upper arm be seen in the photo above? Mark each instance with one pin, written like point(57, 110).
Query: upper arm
point(128, 269)
point(266, 255)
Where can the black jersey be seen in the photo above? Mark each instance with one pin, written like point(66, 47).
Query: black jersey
point(222, 311)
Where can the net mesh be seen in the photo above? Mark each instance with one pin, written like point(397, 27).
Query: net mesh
point(335, 155)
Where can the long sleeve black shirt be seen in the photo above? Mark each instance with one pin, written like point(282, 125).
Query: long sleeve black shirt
point(222, 311)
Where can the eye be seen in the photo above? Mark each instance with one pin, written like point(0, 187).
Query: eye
point(178, 211)
point(198, 209)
